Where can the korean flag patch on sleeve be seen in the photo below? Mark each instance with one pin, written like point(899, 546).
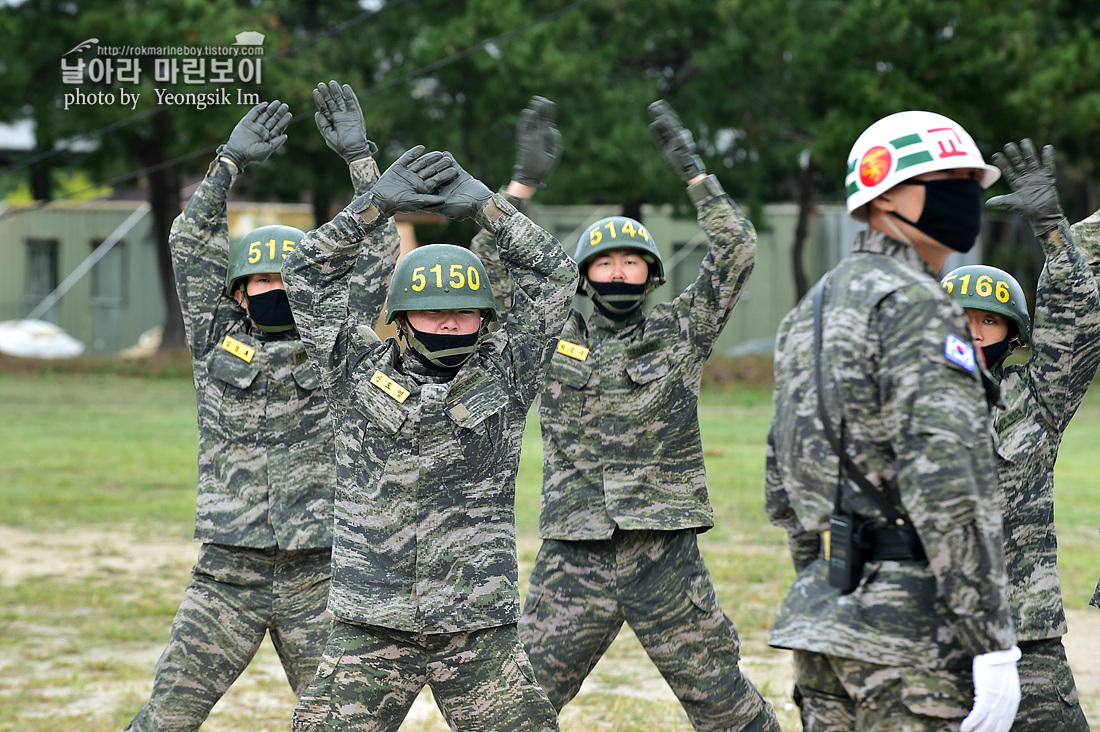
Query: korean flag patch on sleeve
point(959, 353)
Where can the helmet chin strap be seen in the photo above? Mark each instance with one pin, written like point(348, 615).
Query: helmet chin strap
point(617, 304)
point(435, 358)
point(898, 233)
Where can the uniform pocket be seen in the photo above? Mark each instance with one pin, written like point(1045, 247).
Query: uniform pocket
point(379, 407)
point(531, 604)
point(236, 405)
point(937, 693)
point(315, 706)
point(477, 404)
point(716, 627)
point(232, 370)
point(648, 367)
point(569, 371)
point(479, 417)
point(306, 376)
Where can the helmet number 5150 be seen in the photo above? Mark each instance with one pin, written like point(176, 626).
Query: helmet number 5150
point(458, 279)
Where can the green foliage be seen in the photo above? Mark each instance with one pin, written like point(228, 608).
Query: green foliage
point(758, 82)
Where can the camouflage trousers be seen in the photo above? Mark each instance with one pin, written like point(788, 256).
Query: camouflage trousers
point(369, 677)
point(1095, 601)
point(235, 596)
point(1048, 696)
point(581, 593)
point(844, 694)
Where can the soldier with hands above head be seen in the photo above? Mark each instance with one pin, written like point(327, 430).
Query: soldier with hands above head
point(1040, 397)
point(538, 151)
point(624, 486)
point(1086, 234)
point(266, 447)
point(880, 465)
point(425, 584)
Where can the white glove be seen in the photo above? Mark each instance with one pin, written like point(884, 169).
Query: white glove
point(996, 692)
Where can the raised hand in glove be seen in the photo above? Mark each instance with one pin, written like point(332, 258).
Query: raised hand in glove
point(996, 692)
point(412, 183)
point(676, 144)
point(538, 143)
point(258, 134)
point(340, 120)
point(1034, 195)
point(464, 196)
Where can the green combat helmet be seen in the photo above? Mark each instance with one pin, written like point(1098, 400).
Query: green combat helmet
point(440, 277)
point(260, 250)
point(978, 287)
point(620, 232)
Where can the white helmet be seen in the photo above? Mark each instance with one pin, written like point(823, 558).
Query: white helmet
point(905, 145)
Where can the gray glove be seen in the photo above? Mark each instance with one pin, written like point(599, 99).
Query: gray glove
point(464, 196)
point(1034, 195)
point(258, 134)
point(538, 143)
point(412, 182)
point(676, 144)
point(340, 120)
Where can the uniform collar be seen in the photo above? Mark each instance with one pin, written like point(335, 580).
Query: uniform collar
point(599, 321)
point(876, 242)
point(422, 373)
point(263, 336)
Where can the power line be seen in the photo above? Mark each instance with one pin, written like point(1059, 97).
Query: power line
point(383, 86)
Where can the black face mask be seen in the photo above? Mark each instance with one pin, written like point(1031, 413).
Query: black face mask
point(270, 311)
point(995, 353)
point(440, 350)
point(617, 300)
point(952, 212)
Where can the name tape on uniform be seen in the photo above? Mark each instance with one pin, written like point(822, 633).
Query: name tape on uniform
point(572, 350)
point(238, 349)
point(391, 387)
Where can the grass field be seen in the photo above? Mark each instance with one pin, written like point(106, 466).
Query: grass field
point(97, 481)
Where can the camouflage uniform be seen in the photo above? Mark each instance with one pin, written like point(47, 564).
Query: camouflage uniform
point(624, 492)
point(266, 480)
point(1086, 234)
point(896, 652)
point(1040, 398)
point(425, 586)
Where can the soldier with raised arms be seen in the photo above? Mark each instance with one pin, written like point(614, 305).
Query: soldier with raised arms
point(624, 491)
point(880, 463)
point(1040, 398)
point(425, 587)
point(267, 472)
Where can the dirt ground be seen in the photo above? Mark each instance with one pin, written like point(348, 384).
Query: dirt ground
point(27, 554)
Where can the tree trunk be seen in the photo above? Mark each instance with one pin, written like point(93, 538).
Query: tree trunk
point(40, 181)
point(164, 198)
point(806, 196)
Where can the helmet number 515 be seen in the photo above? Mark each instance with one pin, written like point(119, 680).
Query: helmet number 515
point(255, 251)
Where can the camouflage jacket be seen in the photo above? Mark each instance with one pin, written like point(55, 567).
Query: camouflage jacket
point(424, 537)
point(619, 414)
point(266, 448)
point(916, 422)
point(1040, 398)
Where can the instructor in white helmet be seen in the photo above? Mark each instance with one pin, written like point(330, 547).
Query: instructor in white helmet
point(880, 464)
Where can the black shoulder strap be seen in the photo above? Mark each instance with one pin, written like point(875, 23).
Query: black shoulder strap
point(853, 471)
